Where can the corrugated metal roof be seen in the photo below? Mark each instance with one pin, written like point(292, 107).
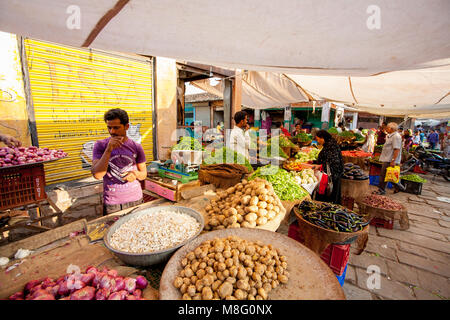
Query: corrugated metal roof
point(201, 97)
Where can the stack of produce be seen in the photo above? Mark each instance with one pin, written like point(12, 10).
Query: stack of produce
point(359, 137)
point(248, 204)
point(302, 137)
point(188, 143)
point(305, 156)
point(93, 284)
point(283, 141)
point(284, 184)
point(333, 130)
point(381, 202)
point(354, 172)
point(356, 154)
point(26, 155)
point(306, 176)
point(331, 216)
point(414, 178)
point(220, 156)
point(347, 135)
point(231, 269)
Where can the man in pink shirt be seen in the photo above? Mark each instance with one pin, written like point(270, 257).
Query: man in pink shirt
point(120, 162)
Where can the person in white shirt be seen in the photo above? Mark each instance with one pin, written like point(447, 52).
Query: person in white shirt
point(239, 141)
point(390, 156)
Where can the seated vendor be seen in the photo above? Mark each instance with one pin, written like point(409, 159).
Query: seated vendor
point(120, 162)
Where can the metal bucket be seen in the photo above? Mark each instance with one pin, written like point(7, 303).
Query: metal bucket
point(155, 257)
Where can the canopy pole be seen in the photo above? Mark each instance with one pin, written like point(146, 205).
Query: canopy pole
point(104, 21)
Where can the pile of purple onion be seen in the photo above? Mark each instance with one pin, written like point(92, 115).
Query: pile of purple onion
point(23, 155)
point(91, 285)
point(382, 202)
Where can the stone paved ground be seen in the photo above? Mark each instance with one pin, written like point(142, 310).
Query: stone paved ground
point(414, 263)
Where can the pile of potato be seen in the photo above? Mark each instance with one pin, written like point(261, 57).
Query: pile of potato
point(231, 269)
point(248, 204)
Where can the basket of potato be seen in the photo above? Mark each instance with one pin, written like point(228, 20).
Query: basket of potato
point(231, 269)
point(248, 204)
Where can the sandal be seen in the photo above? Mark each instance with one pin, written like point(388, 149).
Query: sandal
point(379, 191)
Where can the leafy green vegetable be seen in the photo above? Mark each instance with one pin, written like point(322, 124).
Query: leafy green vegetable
point(282, 141)
point(414, 178)
point(188, 143)
point(284, 184)
point(303, 137)
point(333, 130)
point(359, 137)
point(220, 156)
point(305, 157)
point(346, 134)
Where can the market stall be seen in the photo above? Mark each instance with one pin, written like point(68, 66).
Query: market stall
point(22, 186)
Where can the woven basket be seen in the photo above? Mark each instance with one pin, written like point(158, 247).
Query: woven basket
point(370, 212)
point(317, 238)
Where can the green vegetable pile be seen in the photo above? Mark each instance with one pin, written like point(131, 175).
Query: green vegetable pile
point(414, 178)
point(188, 143)
point(302, 137)
point(331, 216)
point(305, 157)
point(283, 141)
point(284, 184)
point(220, 156)
point(359, 137)
point(346, 134)
point(333, 130)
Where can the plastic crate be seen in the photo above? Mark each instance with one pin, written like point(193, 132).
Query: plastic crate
point(336, 257)
point(412, 186)
point(21, 186)
point(375, 181)
point(341, 278)
point(293, 232)
point(381, 223)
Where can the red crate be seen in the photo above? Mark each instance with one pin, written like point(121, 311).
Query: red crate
point(336, 257)
point(381, 223)
point(293, 232)
point(22, 185)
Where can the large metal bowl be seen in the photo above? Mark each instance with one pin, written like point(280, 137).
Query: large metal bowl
point(155, 257)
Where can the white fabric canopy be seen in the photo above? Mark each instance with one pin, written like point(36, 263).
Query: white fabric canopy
point(415, 93)
point(261, 90)
point(330, 37)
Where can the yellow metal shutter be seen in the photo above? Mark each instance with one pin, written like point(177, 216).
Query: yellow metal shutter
point(72, 88)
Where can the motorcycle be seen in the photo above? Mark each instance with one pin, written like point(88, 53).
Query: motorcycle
point(428, 161)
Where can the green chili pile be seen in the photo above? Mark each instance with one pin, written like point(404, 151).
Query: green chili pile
point(414, 178)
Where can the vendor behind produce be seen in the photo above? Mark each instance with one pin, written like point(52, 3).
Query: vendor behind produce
point(239, 141)
point(390, 156)
point(330, 155)
point(381, 134)
point(120, 162)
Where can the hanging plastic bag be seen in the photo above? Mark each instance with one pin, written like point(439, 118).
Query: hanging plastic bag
point(392, 174)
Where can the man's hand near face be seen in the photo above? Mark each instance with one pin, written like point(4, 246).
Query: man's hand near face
point(114, 142)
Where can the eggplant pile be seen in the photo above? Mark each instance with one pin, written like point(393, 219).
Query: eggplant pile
point(354, 172)
point(331, 216)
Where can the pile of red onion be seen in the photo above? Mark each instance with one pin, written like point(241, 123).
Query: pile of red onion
point(382, 202)
point(91, 285)
point(22, 155)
